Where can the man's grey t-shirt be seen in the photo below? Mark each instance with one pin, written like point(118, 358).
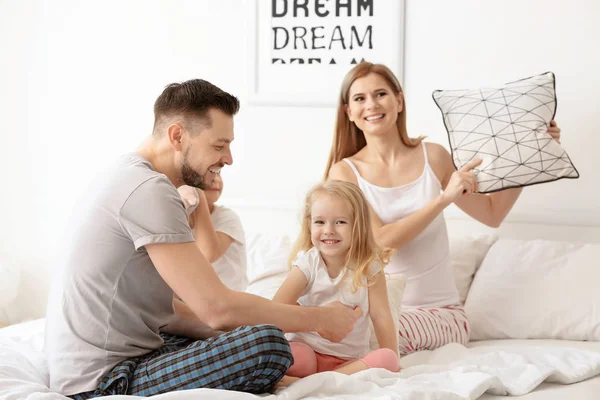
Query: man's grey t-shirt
point(108, 302)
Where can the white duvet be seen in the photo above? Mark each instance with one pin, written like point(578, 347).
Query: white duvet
point(452, 372)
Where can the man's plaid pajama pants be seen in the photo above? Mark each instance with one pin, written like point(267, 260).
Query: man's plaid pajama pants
point(248, 359)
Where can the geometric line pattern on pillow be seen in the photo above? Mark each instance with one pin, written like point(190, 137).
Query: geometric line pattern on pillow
point(506, 128)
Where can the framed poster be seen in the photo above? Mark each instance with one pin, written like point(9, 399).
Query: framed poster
point(300, 50)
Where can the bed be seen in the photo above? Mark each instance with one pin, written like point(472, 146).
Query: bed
point(528, 290)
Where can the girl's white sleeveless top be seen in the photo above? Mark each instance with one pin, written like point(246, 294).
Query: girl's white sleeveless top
point(426, 259)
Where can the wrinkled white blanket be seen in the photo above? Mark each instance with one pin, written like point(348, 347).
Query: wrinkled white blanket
point(452, 372)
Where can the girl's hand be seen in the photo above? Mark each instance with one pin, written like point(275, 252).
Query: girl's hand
point(554, 131)
point(190, 197)
point(463, 182)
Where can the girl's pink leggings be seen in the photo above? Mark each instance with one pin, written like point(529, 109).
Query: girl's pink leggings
point(308, 362)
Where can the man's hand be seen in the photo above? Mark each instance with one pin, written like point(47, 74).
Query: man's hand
point(338, 321)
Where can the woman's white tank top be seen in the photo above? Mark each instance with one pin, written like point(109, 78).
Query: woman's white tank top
point(426, 259)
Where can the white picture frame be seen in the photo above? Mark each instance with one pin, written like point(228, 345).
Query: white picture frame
point(291, 45)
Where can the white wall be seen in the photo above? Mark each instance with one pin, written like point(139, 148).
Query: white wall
point(462, 44)
point(78, 80)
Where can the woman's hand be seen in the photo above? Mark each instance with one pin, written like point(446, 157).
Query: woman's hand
point(554, 131)
point(462, 182)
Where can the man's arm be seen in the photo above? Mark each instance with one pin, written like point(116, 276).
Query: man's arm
point(185, 269)
point(186, 323)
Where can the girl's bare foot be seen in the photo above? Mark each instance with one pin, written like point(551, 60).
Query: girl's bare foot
point(286, 381)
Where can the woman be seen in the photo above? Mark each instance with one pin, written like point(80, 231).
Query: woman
point(408, 183)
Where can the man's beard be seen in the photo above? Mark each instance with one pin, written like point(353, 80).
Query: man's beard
point(191, 177)
point(194, 179)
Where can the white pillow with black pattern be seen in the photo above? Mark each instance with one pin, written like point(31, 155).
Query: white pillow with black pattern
point(506, 128)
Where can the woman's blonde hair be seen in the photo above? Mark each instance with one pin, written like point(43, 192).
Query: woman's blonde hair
point(348, 139)
point(363, 250)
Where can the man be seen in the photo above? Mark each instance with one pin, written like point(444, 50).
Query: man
point(113, 326)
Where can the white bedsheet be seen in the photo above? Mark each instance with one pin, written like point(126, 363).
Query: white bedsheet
point(588, 389)
point(452, 372)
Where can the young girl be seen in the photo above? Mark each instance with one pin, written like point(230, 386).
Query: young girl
point(337, 260)
point(218, 232)
point(408, 183)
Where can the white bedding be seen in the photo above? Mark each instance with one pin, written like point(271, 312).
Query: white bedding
point(588, 389)
point(452, 372)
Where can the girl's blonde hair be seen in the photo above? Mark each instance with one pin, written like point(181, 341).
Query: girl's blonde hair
point(348, 139)
point(363, 250)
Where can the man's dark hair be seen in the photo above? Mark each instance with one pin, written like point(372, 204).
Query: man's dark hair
point(193, 98)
